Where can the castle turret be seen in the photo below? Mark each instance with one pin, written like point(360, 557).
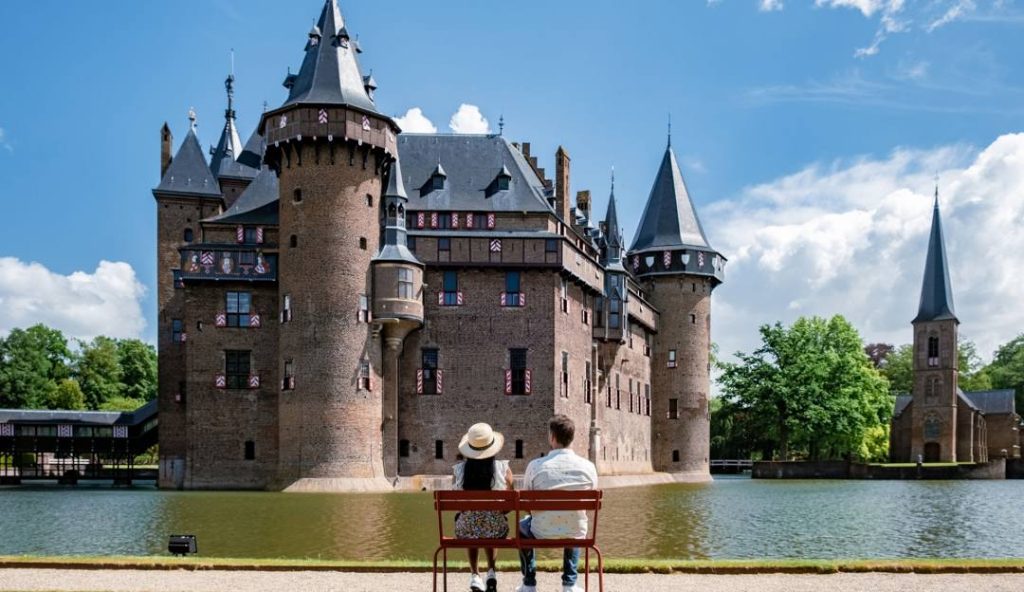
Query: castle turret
point(936, 359)
point(232, 175)
point(679, 270)
point(613, 305)
point(329, 146)
point(397, 303)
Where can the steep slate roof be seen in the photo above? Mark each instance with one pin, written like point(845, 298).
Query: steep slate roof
point(189, 173)
point(936, 290)
point(257, 204)
point(395, 247)
point(255, 148)
point(902, 402)
point(669, 219)
point(330, 73)
point(223, 162)
point(993, 402)
point(471, 163)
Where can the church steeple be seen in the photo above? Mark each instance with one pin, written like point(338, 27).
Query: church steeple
point(936, 289)
point(330, 73)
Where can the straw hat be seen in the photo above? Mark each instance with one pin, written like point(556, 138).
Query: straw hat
point(481, 442)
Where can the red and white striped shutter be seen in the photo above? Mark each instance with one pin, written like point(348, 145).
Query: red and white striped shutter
point(508, 382)
point(440, 298)
point(259, 234)
point(254, 321)
point(503, 299)
point(455, 220)
point(419, 381)
point(490, 221)
point(7, 429)
point(440, 381)
point(495, 245)
point(240, 234)
point(220, 381)
point(433, 219)
point(183, 338)
point(120, 431)
point(421, 220)
point(529, 380)
point(469, 221)
point(522, 299)
point(666, 259)
point(460, 298)
point(64, 431)
point(254, 381)
point(221, 320)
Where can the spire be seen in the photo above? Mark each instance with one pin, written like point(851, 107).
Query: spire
point(395, 246)
point(670, 130)
point(611, 220)
point(188, 173)
point(223, 161)
point(330, 73)
point(936, 289)
point(669, 219)
point(396, 186)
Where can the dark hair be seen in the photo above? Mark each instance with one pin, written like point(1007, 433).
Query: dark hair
point(478, 474)
point(563, 429)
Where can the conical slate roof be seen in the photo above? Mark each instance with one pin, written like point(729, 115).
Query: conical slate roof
point(936, 290)
point(330, 72)
point(189, 174)
point(395, 247)
point(611, 221)
point(669, 219)
point(224, 161)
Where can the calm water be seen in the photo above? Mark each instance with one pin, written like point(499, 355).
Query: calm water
point(731, 518)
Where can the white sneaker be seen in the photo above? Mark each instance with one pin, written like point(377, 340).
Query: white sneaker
point(475, 583)
point(571, 589)
point(525, 588)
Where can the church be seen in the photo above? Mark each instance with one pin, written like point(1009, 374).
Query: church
point(339, 301)
point(938, 422)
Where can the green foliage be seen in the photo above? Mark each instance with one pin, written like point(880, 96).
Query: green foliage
point(809, 390)
point(99, 371)
point(898, 369)
point(68, 395)
point(32, 361)
point(119, 403)
point(1007, 369)
point(138, 369)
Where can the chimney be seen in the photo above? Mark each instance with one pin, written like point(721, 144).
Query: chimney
point(166, 140)
point(583, 203)
point(562, 201)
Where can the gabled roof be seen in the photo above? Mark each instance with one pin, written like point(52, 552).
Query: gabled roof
point(257, 204)
point(669, 219)
point(330, 73)
point(993, 402)
point(188, 173)
point(936, 289)
point(471, 162)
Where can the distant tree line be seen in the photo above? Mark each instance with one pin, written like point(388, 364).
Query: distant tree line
point(39, 369)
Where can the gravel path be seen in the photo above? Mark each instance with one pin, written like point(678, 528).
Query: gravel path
point(24, 580)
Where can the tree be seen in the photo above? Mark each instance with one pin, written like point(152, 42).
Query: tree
point(812, 389)
point(119, 403)
point(1007, 368)
point(67, 395)
point(32, 361)
point(973, 375)
point(138, 369)
point(898, 369)
point(878, 352)
point(99, 371)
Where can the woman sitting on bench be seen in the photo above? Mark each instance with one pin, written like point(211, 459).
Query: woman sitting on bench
point(481, 472)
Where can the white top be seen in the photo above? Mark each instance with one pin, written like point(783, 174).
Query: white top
point(560, 469)
point(498, 483)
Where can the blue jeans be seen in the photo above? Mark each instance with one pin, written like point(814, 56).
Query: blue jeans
point(528, 559)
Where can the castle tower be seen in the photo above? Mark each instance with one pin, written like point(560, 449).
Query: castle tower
point(936, 359)
point(187, 193)
point(397, 304)
point(329, 146)
point(679, 269)
point(232, 175)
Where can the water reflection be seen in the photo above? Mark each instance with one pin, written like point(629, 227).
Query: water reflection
point(730, 518)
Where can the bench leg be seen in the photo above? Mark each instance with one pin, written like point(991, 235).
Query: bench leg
point(586, 570)
point(446, 569)
point(436, 553)
point(600, 570)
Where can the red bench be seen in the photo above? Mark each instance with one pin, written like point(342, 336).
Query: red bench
point(518, 503)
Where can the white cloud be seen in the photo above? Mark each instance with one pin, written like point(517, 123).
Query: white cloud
point(415, 122)
point(955, 12)
point(83, 305)
point(770, 5)
point(850, 238)
point(469, 120)
point(3, 141)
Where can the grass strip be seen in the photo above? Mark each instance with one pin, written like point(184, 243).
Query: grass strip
point(617, 566)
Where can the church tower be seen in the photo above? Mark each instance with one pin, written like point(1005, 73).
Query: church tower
point(329, 146)
point(677, 266)
point(936, 358)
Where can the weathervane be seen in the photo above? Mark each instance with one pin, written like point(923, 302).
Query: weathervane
point(501, 125)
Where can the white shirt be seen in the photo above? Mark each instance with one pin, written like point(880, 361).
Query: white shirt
point(560, 469)
point(498, 483)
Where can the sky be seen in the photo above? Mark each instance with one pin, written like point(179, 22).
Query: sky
point(810, 133)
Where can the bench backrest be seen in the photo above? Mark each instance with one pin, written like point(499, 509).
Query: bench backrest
point(465, 501)
point(519, 502)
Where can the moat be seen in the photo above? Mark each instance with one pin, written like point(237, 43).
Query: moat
point(732, 518)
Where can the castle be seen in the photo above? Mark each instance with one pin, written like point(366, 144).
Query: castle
point(938, 421)
point(338, 301)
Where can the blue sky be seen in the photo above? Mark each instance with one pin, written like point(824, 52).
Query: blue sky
point(779, 109)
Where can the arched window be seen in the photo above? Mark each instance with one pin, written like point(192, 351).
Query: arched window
point(297, 195)
point(932, 387)
point(933, 352)
point(932, 428)
point(189, 235)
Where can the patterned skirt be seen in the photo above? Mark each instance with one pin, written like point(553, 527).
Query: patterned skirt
point(481, 525)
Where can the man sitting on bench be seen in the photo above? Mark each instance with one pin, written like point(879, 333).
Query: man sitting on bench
point(559, 469)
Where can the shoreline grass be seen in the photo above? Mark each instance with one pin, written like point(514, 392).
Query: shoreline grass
point(617, 566)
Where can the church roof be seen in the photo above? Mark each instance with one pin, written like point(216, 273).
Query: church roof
point(330, 73)
point(936, 290)
point(902, 402)
point(471, 162)
point(188, 173)
point(669, 219)
point(993, 402)
point(257, 204)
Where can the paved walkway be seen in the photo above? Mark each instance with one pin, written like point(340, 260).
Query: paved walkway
point(24, 580)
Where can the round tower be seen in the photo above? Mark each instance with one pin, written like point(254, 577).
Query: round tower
point(329, 146)
point(679, 269)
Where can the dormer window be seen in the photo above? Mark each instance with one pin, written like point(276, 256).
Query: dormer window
point(314, 36)
point(500, 183)
point(343, 37)
point(369, 84)
point(435, 182)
